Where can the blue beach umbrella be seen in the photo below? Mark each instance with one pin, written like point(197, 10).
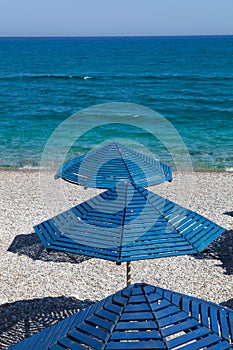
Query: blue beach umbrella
point(128, 223)
point(140, 316)
point(104, 167)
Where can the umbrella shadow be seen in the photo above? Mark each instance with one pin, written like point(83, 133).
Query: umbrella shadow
point(23, 318)
point(31, 246)
point(221, 249)
point(230, 213)
point(228, 303)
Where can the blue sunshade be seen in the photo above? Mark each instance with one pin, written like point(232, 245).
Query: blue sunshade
point(104, 167)
point(128, 223)
point(138, 317)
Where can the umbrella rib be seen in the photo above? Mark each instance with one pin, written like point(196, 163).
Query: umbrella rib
point(100, 160)
point(155, 164)
point(155, 320)
point(161, 213)
point(146, 160)
point(122, 157)
point(118, 318)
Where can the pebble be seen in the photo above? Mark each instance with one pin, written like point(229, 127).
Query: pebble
point(39, 288)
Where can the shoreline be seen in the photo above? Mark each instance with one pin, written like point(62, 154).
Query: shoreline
point(35, 170)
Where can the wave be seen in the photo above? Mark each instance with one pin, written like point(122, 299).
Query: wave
point(172, 76)
point(140, 77)
point(45, 76)
point(181, 78)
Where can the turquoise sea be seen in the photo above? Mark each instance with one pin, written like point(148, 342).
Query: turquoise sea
point(188, 80)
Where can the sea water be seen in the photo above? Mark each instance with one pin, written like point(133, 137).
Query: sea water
point(188, 80)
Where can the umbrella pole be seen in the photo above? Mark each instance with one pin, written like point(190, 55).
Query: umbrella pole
point(128, 273)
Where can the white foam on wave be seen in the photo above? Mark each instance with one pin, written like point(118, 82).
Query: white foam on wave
point(86, 77)
point(229, 168)
point(34, 167)
point(30, 167)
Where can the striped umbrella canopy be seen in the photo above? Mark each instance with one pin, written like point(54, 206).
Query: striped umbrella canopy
point(104, 167)
point(127, 223)
point(140, 316)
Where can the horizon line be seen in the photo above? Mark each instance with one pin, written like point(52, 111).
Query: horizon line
point(114, 36)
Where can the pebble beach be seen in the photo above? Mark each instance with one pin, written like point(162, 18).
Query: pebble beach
point(38, 288)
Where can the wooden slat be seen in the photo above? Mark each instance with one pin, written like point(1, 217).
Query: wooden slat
point(148, 227)
point(140, 317)
point(104, 167)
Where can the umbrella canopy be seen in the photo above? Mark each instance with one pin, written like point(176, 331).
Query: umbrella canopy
point(104, 167)
point(140, 316)
point(127, 223)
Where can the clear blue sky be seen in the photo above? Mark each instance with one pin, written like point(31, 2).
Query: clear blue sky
point(115, 17)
